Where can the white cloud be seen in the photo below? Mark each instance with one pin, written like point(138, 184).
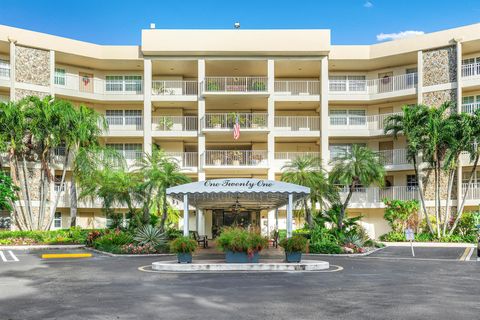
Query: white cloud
point(368, 4)
point(399, 35)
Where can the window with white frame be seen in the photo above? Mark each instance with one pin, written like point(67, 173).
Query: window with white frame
point(412, 77)
point(354, 117)
point(133, 117)
point(4, 69)
point(114, 83)
point(475, 178)
point(412, 182)
point(470, 103)
point(131, 151)
point(341, 149)
point(114, 117)
point(60, 77)
point(60, 150)
point(58, 186)
point(123, 83)
point(133, 83)
point(57, 220)
point(124, 117)
point(470, 66)
point(355, 83)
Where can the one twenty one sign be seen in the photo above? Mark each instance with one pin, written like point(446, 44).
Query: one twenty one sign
point(247, 184)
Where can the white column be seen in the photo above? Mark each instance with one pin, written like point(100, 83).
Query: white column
point(201, 115)
point(12, 69)
point(52, 73)
point(459, 76)
point(271, 119)
point(200, 222)
point(147, 106)
point(324, 111)
point(420, 77)
point(185, 216)
point(289, 215)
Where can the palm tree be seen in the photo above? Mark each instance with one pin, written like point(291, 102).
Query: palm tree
point(307, 171)
point(159, 173)
point(359, 168)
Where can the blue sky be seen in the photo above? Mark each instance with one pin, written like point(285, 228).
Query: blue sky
point(351, 21)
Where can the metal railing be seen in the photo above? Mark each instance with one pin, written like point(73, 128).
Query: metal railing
point(90, 84)
point(297, 123)
point(174, 87)
point(297, 87)
point(470, 70)
point(377, 195)
point(235, 158)
point(227, 120)
point(393, 157)
point(294, 155)
point(470, 107)
point(374, 122)
point(132, 154)
point(175, 123)
point(129, 123)
point(374, 86)
point(184, 159)
point(473, 192)
point(235, 84)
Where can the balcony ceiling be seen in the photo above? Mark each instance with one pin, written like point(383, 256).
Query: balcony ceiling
point(177, 68)
point(297, 69)
point(372, 64)
point(236, 103)
point(97, 64)
point(299, 105)
point(220, 68)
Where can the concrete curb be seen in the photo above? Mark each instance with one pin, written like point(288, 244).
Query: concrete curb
point(350, 255)
point(431, 244)
point(44, 246)
point(129, 255)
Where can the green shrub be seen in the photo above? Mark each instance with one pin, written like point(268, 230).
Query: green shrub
point(393, 236)
point(63, 236)
point(173, 233)
point(467, 224)
point(296, 243)
point(399, 213)
point(241, 240)
point(112, 241)
point(322, 241)
point(183, 245)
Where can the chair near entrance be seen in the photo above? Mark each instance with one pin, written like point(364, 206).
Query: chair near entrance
point(201, 240)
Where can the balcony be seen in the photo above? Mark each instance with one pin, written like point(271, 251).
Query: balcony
point(373, 197)
point(298, 125)
point(235, 85)
point(174, 90)
point(395, 159)
point(357, 125)
point(283, 158)
point(387, 87)
point(286, 90)
point(226, 121)
point(235, 158)
point(470, 107)
point(99, 89)
point(124, 125)
point(175, 126)
point(186, 160)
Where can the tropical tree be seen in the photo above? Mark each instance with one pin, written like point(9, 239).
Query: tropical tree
point(7, 192)
point(361, 167)
point(159, 173)
point(307, 171)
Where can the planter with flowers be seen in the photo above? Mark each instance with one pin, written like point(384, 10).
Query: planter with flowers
point(183, 247)
point(294, 246)
point(241, 245)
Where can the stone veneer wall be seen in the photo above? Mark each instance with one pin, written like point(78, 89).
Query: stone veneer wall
point(436, 98)
point(22, 93)
point(32, 66)
point(439, 66)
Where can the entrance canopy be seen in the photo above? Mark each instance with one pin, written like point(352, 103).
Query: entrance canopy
point(247, 193)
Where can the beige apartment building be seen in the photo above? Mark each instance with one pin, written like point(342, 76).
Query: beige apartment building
point(293, 92)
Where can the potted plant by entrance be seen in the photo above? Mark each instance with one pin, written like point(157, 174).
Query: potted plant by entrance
point(183, 247)
point(294, 246)
point(241, 245)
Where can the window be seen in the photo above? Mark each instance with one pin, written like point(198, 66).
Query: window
point(348, 83)
point(58, 186)
point(114, 117)
point(124, 117)
point(133, 83)
point(412, 77)
point(57, 220)
point(412, 182)
point(4, 69)
point(355, 117)
point(357, 83)
point(131, 151)
point(60, 77)
point(475, 178)
point(114, 83)
point(60, 150)
point(133, 117)
point(341, 149)
point(470, 103)
point(123, 83)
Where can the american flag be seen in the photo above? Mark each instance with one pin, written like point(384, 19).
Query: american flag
point(236, 129)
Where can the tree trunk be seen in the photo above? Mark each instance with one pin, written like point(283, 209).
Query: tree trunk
point(164, 212)
point(73, 202)
point(308, 215)
point(343, 208)
point(451, 176)
point(422, 196)
point(26, 192)
point(437, 196)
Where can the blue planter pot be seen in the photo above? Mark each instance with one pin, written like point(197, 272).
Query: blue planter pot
point(240, 257)
point(184, 257)
point(293, 256)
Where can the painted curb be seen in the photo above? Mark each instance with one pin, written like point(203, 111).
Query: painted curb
point(66, 255)
point(349, 255)
point(431, 244)
point(44, 246)
point(129, 255)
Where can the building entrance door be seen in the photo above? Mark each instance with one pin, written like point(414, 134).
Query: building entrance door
point(228, 218)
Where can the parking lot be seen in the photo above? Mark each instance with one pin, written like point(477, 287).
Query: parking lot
point(385, 285)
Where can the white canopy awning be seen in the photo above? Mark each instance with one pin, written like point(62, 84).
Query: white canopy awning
point(248, 193)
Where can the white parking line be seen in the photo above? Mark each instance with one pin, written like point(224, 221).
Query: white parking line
point(12, 255)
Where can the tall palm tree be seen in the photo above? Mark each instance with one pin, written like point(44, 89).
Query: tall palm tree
point(307, 171)
point(160, 173)
point(359, 168)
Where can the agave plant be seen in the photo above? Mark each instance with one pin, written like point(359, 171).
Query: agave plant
point(150, 235)
point(354, 239)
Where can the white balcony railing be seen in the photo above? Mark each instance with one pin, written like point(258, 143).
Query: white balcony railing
point(91, 85)
point(470, 70)
point(132, 154)
point(175, 123)
point(297, 123)
point(470, 107)
point(174, 88)
point(473, 192)
point(297, 88)
point(127, 123)
point(377, 195)
point(294, 155)
point(236, 158)
point(235, 84)
point(186, 160)
point(374, 86)
point(393, 157)
point(374, 122)
point(227, 120)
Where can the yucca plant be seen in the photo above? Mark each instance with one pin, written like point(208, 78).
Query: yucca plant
point(150, 235)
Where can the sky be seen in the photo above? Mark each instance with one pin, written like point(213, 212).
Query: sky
point(351, 21)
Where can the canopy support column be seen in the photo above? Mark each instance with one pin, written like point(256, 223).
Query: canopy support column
point(185, 216)
point(289, 215)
